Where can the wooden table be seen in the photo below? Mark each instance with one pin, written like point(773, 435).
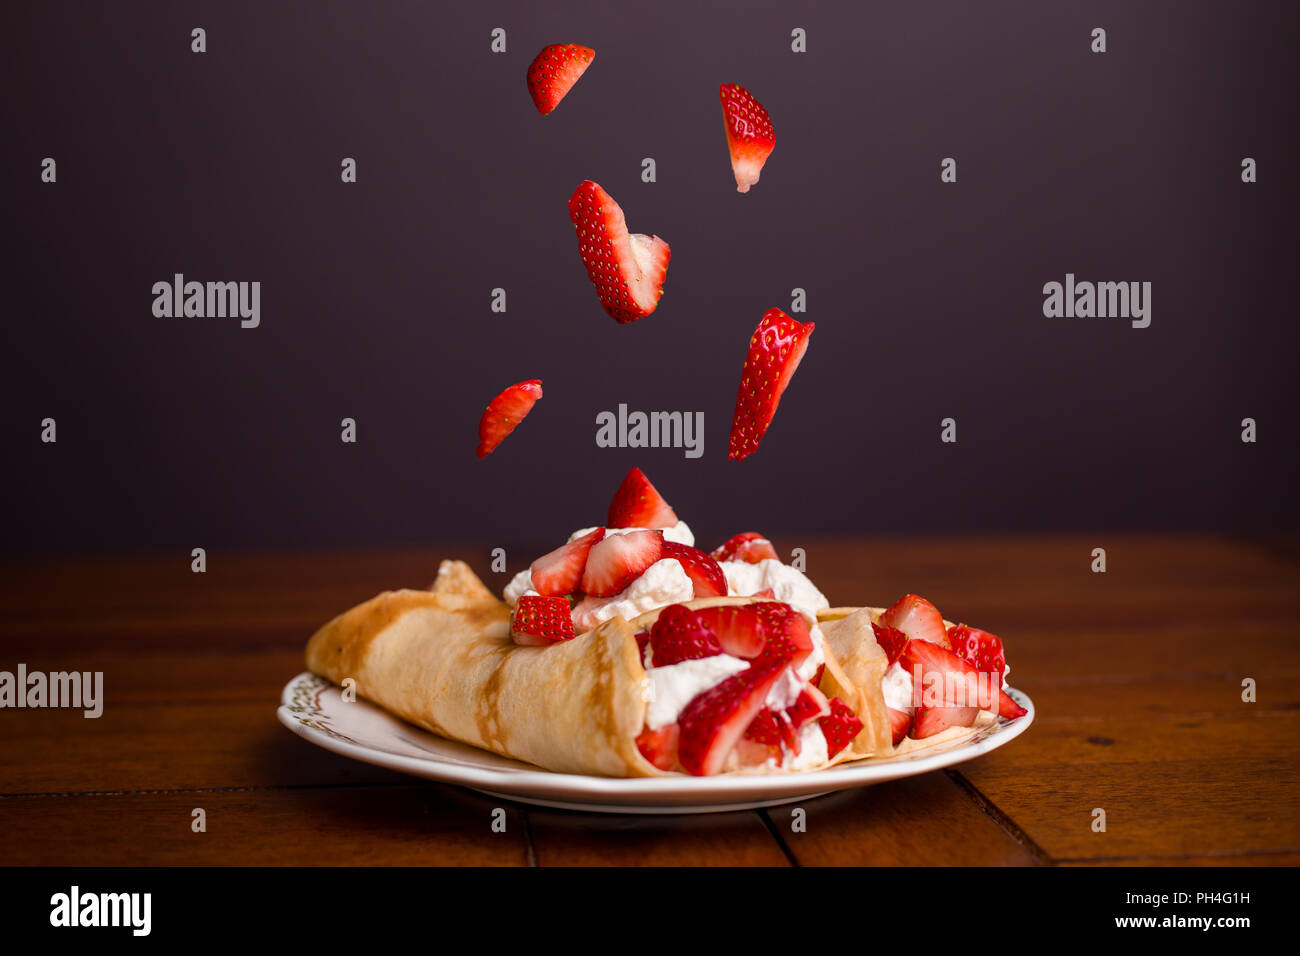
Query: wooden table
point(1136, 673)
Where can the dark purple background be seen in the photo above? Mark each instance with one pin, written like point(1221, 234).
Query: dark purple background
point(375, 298)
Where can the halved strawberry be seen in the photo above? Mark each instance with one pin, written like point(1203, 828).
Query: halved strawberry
point(918, 619)
point(504, 412)
point(891, 640)
point(750, 137)
point(619, 559)
point(749, 546)
point(714, 721)
point(809, 705)
point(637, 504)
point(942, 678)
point(739, 628)
point(628, 270)
point(1008, 708)
point(770, 728)
point(700, 568)
point(559, 572)
point(679, 635)
point(554, 71)
point(929, 721)
point(541, 620)
point(900, 722)
point(839, 727)
point(659, 746)
point(788, 636)
point(775, 350)
point(981, 648)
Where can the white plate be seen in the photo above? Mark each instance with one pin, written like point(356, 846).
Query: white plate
point(314, 709)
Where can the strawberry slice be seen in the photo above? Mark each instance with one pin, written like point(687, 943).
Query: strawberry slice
point(739, 628)
point(750, 137)
point(1008, 708)
point(679, 635)
point(628, 270)
point(918, 619)
point(775, 351)
point(900, 722)
point(541, 620)
point(700, 568)
point(642, 641)
point(811, 704)
point(749, 546)
point(891, 639)
point(929, 721)
point(839, 727)
point(940, 676)
point(619, 559)
point(637, 504)
point(659, 746)
point(981, 648)
point(769, 728)
point(715, 721)
point(765, 593)
point(506, 411)
point(559, 572)
point(554, 71)
point(787, 633)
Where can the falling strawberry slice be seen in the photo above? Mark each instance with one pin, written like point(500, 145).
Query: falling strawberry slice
point(541, 620)
point(749, 133)
point(559, 572)
point(918, 619)
point(839, 727)
point(554, 71)
point(715, 721)
point(506, 411)
point(775, 350)
point(981, 648)
point(900, 722)
point(659, 746)
point(703, 571)
point(628, 271)
point(891, 640)
point(679, 635)
point(637, 504)
point(929, 721)
point(619, 559)
point(748, 546)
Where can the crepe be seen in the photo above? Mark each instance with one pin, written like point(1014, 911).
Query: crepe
point(444, 660)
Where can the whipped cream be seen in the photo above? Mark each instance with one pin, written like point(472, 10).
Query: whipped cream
point(788, 584)
point(897, 688)
point(813, 750)
point(663, 583)
point(669, 689)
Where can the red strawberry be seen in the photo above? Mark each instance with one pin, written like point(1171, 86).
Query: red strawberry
point(775, 350)
point(554, 71)
point(659, 746)
point(840, 727)
point(891, 639)
point(941, 676)
point(981, 648)
point(628, 270)
point(809, 705)
point(504, 412)
point(559, 572)
point(619, 559)
point(642, 639)
point(749, 546)
point(931, 720)
point(679, 635)
point(918, 619)
point(700, 568)
point(765, 593)
point(738, 628)
point(787, 633)
point(714, 721)
point(1008, 708)
point(817, 677)
point(541, 620)
point(900, 722)
point(767, 728)
point(637, 504)
point(749, 133)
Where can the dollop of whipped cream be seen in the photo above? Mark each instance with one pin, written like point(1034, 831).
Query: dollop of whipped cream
point(787, 582)
point(672, 687)
point(664, 582)
point(680, 533)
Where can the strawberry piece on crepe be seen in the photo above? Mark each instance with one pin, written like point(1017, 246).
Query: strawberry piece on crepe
point(775, 350)
point(748, 546)
point(554, 71)
point(628, 270)
point(929, 721)
point(679, 635)
point(541, 620)
point(944, 679)
point(811, 704)
point(1008, 708)
point(918, 619)
point(715, 721)
point(839, 727)
point(619, 559)
point(703, 571)
point(981, 648)
point(637, 504)
point(659, 746)
point(506, 411)
point(900, 722)
point(787, 635)
point(891, 641)
point(559, 572)
point(749, 133)
point(738, 628)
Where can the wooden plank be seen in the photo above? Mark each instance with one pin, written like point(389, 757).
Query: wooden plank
point(410, 825)
point(919, 821)
point(1226, 859)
